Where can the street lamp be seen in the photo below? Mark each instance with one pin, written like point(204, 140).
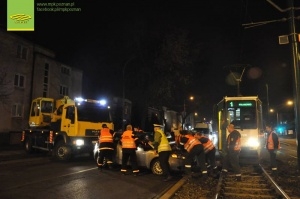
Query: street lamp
point(278, 119)
point(184, 115)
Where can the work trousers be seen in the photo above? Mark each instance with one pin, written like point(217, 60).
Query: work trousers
point(211, 157)
point(232, 159)
point(196, 152)
point(107, 154)
point(273, 162)
point(163, 158)
point(129, 154)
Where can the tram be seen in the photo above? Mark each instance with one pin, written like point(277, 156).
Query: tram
point(246, 114)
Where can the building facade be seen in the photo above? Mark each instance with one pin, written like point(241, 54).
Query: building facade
point(28, 71)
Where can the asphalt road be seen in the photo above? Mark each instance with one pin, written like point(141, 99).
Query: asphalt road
point(37, 176)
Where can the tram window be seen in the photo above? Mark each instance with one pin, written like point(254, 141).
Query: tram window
point(248, 119)
point(242, 118)
point(242, 113)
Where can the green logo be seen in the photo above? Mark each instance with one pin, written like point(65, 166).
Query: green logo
point(20, 18)
point(20, 15)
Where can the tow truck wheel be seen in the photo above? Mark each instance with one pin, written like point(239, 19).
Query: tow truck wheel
point(155, 167)
point(62, 151)
point(28, 146)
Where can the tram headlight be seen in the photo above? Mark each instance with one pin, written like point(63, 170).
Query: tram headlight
point(252, 142)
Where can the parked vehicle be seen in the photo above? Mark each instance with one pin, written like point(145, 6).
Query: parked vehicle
point(203, 127)
point(147, 157)
point(64, 126)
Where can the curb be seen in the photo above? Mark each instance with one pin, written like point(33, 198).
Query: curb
point(172, 189)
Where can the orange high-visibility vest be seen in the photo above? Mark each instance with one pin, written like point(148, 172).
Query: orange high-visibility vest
point(127, 140)
point(208, 146)
point(192, 141)
point(271, 142)
point(105, 136)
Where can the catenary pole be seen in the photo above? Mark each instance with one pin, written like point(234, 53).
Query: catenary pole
point(295, 61)
point(295, 57)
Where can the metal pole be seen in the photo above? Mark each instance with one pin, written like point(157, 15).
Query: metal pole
point(238, 88)
point(295, 54)
point(268, 104)
point(123, 99)
point(183, 115)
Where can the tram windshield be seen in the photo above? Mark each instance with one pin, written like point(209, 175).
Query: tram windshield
point(242, 114)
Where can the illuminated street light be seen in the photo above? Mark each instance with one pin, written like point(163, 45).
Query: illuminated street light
point(288, 103)
point(277, 118)
point(184, 107)
point(191, 98)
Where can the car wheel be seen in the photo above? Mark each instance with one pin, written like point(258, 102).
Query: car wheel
point(155, 167)
point(62, 151)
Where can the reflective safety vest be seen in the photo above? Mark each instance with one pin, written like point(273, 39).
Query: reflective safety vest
point(270, 143)
point(208, 146)
point(164, 142)
point(128, 141)
point(192, 141)
point(105, 136)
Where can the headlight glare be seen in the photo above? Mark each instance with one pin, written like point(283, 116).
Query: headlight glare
point(79, 142)
point(252, 142)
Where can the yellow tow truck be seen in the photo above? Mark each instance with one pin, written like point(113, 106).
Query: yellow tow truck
point(65, 126)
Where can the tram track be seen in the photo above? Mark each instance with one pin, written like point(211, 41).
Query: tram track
point(257, 182)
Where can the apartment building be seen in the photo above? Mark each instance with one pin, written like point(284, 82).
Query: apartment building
point(28, 71)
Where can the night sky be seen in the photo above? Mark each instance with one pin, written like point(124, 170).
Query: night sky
point(98, 40)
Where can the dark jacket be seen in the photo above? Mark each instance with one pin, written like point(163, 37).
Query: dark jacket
point(232, 140)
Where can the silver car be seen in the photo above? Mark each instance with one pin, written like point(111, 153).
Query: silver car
point(147, 158)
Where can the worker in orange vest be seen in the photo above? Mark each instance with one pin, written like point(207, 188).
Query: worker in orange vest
point(194, 149)
point(232, 152)
point(272, 145)
point(209, 150)
point(129, 142)
point(106, 147)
